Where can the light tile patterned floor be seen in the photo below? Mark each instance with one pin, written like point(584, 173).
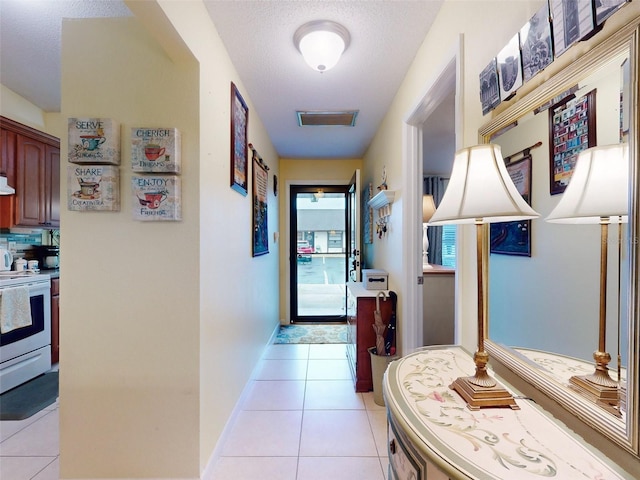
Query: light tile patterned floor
point(301, 420)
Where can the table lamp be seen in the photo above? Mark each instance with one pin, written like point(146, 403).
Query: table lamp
point(481, 191)
point(428, 209)
point(597, 193)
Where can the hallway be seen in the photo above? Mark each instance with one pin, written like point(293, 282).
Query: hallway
point(302, 420)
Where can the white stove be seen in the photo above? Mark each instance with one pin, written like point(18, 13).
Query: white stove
point(25, 352)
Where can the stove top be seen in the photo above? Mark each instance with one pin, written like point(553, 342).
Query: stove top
point(12, 278)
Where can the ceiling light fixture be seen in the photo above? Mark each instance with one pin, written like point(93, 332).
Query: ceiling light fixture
point(321, 43)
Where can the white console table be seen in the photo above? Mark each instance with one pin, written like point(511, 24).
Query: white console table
point(433, 435)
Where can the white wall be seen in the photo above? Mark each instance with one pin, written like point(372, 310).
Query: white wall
point(162, 323)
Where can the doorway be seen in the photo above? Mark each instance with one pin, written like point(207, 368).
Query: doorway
point(318, 252)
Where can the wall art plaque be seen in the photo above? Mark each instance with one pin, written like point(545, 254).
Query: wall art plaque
point(156, 197)
point(155, 150)
point(94, 141)
point(93, 187)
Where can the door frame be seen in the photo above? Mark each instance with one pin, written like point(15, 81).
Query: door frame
point(287, 227)
point(292, 251)
point(436, 88)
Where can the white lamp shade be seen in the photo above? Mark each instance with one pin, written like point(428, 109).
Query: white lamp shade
point(428, 208)
point(599, 187)
point(480, 190)
point(322, 49)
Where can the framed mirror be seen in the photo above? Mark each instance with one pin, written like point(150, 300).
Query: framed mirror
point(543, 305)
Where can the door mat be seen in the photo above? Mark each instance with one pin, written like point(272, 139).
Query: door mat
point(24, 400)
point(312, 334)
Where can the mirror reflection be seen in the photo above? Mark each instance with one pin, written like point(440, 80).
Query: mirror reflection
point(544, 280)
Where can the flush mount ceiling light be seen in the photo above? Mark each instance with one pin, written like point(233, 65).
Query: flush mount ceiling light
point(321, 43)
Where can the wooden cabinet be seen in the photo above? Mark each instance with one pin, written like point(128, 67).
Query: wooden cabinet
point(31, 160)
point(361, 306)
point(55, 320)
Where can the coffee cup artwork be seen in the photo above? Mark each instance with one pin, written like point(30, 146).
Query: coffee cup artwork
point(91, 142)
point(89, 190)
point(93, 187)
point(153, 199)
point(153, 152)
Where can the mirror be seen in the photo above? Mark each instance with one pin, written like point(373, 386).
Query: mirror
point(544, 280)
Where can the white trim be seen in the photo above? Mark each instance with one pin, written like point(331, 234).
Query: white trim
point(435, 90)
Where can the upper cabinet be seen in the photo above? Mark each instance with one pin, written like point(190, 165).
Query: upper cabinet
point(31, 161)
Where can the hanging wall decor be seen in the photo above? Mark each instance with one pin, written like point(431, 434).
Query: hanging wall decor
point(239, 151)
point(94, 141)
point(510, 68)
point(155, 150)
point(572, 126)
point(93, 188)
point(572, 22)
point(489, 89)
point(535, 44)
point(260, 226)
point(156, 197)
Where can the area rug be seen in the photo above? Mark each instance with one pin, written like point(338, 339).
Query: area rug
point(312, 334)
point(29, 398)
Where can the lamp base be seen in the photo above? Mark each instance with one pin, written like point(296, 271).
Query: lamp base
point(478, 397)
point(603, 394)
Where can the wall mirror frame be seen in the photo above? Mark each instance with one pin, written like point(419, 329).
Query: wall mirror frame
point(574, 65)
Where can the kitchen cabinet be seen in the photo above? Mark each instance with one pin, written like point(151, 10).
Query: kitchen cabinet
point(361, 306)
point(55, 320)
point(31, 160)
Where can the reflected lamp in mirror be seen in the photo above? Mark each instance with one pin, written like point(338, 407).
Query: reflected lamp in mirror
point(428, 209)
point(481, 191)
point(597, 194)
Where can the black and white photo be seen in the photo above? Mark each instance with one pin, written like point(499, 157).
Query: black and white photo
point(604, 8)
point(510, 68)
point(535, 44)
point(572, 21)
point(489, 90)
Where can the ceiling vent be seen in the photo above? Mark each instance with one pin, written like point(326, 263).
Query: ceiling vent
point(327, 119)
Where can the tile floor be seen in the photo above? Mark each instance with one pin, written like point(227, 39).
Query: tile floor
point(301, 420)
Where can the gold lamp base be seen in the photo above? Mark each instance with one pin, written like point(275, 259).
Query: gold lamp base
point(599, 393)
point(478, 397)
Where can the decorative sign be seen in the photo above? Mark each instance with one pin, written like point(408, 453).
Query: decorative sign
point(93, 187)
point(260, 226)
point(94, 140)
point(156, 197)
point(155, 150)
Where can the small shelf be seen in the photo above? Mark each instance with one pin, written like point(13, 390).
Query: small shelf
point(382, 199)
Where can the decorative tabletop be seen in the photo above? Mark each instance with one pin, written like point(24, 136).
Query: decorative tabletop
point(490, 443)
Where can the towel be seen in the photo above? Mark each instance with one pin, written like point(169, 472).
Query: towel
point(15, 308)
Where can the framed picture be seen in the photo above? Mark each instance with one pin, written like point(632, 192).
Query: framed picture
point(514, 238)
point(572, 21)
point(260, 226)
point(535, 44)
point(239, 150)
point(510, 68)
point(489, 89)
point(572, 128)
point(605, 8)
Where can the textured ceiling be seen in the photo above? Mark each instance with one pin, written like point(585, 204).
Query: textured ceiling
point(385, 36)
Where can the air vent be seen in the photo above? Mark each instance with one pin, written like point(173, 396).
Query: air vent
point(327, 119)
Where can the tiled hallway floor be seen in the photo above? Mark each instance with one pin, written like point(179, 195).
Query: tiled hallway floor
point(301, 420)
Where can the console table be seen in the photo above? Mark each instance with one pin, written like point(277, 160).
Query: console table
point(433, 435)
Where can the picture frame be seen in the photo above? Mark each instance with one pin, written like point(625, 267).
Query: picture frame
point(572, 128)
point(605, 8)
point(535, 44)
point(514, 238)
point(489, 88)
point(239, 143)
point(572, 21)
point(510, 68)
point(260, 183)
